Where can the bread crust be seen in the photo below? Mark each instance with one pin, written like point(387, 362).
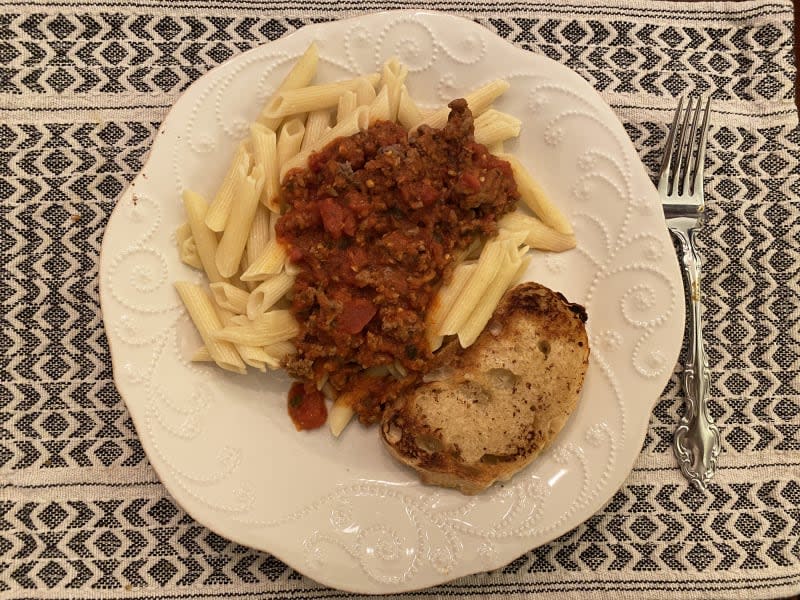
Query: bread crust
point(487, 411)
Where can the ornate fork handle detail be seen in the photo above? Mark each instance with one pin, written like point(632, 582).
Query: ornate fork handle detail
point(697, 439)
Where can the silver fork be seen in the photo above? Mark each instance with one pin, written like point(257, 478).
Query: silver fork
point(697, 439)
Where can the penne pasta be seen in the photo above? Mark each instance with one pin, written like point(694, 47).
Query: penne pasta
point(494, 126)
point(264, 297)
point(444, 301)
point(251, 355)
point(205, 240)
point(340, 415)
point(281, 349)
point(229, 297)
point(233, 240)
point(496, 148)
point(278, 352)
point(317, 124)
point(257, 357)
point(475, 288)
point(380, 109)
point(347, 104)
point(538, 235)
point(365, 92)
point(299, 76)
point(270, 262)
point(205, 319)
point(290, 139)
point(265, 155)
point(201, 355)
point(182, 233)
point(408, 113)
point(357, 121)
point(309, 98)
point(258, 237)
point(536, 199)
point(187, 249)
point(394, 76)
point(478, 101)
point(220, 207)
point(268, 328)
point(482, 312)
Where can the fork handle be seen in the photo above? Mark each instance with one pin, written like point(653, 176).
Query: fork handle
point(697, 440)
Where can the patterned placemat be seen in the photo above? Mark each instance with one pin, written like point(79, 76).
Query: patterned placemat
point(83, 89)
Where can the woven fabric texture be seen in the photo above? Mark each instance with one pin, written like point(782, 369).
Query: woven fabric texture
point(83, 89)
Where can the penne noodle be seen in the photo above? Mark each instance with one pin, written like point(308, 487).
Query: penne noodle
point(494, 126)
point(265, 154)
point(347, 104)
point(234, 238)
point(475, 288)
point(408, 113)
point(251, 355)
point(322, 381)
point(267, 294)
point(205, 319)
point(328, 391)
point(256, 357)
point(357, 121)
point(317, 124)
point(309, 98)
point(365, 92)
point(536, 199)
point(270, 262)
point(290, 139)
point(538, 235)
point(496, 148)
point(482, 312)
point(340, 415)
point(394, 76)
point(201, 355)
point(259, 235)
point(205, 240)
point(525, 260)
point(229, 297)
point(182, 233)
point(478, 101)
point(380, 109)
point(268, 328)
point(276, 353)
point(444, 301)
point(188, 253)
point(221, 205)
point(282, 349)
point(515, 238)
point(299, 76)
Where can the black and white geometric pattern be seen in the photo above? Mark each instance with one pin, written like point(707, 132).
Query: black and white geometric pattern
point(83, 89)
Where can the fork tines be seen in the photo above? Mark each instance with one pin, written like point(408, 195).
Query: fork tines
point(681, 171)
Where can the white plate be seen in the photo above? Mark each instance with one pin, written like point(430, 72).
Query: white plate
point(342, 511)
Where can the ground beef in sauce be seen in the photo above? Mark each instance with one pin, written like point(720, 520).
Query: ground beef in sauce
point(374, 224)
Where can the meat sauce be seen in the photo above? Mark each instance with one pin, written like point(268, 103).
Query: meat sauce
point(373, 225)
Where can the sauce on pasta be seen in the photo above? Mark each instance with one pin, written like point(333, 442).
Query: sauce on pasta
point(374, 225)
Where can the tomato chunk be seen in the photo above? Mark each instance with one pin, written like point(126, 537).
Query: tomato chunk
point(471, 180)
point(428, 195)
point(307, 406)
point(356, 313)
point(337, 219)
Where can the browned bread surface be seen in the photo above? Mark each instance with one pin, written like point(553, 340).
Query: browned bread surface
point(487, 411)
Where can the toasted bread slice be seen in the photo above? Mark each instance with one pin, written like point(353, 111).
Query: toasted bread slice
point(486, 412)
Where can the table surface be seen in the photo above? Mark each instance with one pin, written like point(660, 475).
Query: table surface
point(84, 88)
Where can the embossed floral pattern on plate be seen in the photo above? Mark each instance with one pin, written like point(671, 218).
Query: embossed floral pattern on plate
point(341, 511)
